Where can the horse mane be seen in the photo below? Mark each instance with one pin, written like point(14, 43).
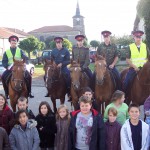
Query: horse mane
point(99, 57)
point(18, 62)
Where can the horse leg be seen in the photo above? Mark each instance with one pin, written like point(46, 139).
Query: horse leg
point(54, 104)
point(75, 104)
point(62, 100)
point(13, 104)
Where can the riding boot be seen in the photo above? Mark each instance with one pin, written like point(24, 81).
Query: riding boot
point(5, 89)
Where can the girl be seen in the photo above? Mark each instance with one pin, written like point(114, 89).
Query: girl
point(118, 103)
point(6, 115)
point(62, 122)
point(46, 125)
point(24, 135)
point(112, 130)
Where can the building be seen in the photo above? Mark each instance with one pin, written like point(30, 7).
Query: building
point(49, 32)
point(5, 33)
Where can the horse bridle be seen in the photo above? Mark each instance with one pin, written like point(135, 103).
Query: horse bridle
point(52, 79)
point(13, 79)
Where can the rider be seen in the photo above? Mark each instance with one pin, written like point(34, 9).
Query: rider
point(109, 51)
point(7, 62)
point(61, 57)
point(81, 53)
point(136, 55)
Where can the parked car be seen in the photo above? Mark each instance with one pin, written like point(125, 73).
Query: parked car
point(92, 56)
point(30, 67)
point(46, 54)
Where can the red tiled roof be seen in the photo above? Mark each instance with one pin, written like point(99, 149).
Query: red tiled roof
point(61, 28)
point(18, 31)
point(5, 33)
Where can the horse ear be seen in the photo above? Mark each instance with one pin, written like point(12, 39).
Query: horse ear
point(71, 62)
point(14, 60)
point(24, 61)
point(78, 61)
point(52, 60)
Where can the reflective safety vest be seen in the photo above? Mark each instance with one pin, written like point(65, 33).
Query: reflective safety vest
point(10, 56)
point(138, 58)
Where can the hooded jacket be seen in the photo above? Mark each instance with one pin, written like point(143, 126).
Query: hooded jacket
point(98, 132)
point(27, 139)
point(126, 136)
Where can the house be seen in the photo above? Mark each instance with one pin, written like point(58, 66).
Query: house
point(5, 33)
point(49, 32)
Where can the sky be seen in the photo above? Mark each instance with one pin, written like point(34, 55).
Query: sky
point(115, 15)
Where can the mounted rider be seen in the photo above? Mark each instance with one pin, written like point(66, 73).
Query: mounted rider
point(109, 51)
point(136, 55)
point(7, 62)
point(61, 56)
point(81, 53)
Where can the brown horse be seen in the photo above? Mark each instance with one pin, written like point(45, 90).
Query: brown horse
point(104, 87)
point(17, 85)
point(55, 82)
point(140, 88)
point(79, 80)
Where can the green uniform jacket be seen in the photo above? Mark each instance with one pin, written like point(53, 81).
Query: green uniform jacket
point(82, 54)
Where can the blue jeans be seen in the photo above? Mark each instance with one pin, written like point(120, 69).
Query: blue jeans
point(66, 73)
point(117, 78)
point(128, 79)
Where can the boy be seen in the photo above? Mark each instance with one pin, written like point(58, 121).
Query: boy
point(22, 103)
point(135, 132)
point(112, 130)
point(86, 130)
point(4, 142)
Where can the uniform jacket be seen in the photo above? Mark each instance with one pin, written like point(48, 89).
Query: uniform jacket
point(82, 54)
point(61, 56)
point(13, 50)
point(98, 132)
point(113, 130)
point(6, 119)
point(4, 142)
point(126, 137)
point(47, 134)
point(108, 51)
point(24, 140)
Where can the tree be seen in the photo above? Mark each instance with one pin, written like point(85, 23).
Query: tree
point(94, 43)
point(143, 10)
point(30, 44)
point(47, 41)
point(66, 43)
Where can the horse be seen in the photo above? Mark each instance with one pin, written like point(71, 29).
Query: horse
point(55, 82)
point(17, 85)
point(79, 80)
point(140, 88)
point(104, 86)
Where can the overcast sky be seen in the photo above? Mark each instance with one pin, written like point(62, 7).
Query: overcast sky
point(115, 15)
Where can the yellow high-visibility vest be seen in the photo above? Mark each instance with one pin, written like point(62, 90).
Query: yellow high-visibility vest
point(138, 58)
point(10, 56)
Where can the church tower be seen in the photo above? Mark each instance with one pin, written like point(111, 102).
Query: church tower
point(78, 21)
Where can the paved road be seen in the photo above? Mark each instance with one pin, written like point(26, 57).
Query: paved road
point(39, 92)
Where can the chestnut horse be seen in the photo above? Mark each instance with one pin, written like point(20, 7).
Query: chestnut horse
point(140, 88)
point(17, 85)
point(79, 80)
point(104, 86)
point(55, 82)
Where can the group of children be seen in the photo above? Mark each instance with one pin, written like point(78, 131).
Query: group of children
point(84, 129)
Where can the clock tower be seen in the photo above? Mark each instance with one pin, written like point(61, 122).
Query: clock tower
point(78, 21)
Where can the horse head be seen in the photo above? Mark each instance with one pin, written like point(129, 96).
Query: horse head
point(52, 72)
point(100, 69)
point(75, 73)
point(18, 74)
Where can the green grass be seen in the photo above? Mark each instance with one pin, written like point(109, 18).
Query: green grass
point(38, 71)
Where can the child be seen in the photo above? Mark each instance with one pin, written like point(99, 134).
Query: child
point(6, 115)
point(24, 135)
point(62, 122)
point(22, 103)
point(112, 130)
point(46, 125)
point(118, 103)
point(147, 110)
point(86, 130)
point(135, 132)
point(4, 143)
